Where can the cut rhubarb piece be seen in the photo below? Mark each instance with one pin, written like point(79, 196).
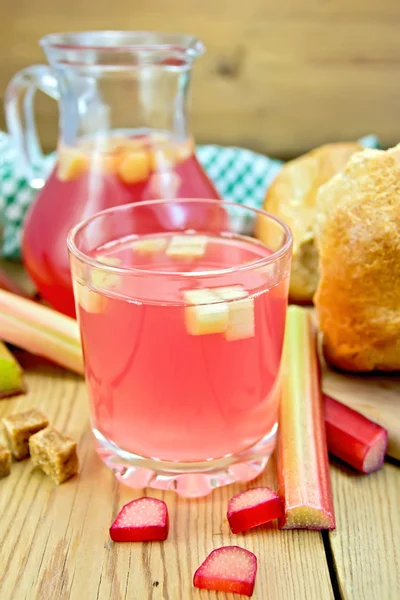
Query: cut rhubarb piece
point(150, 246)
point(89, 300)
point(252, 508)
point(106, 279)
point(164, 184)
point(11, 374)
point(357, 441)
point(241, 320)
point(187, 246)
point(228, 569)
point(207, 314)
point(142, 520)
point(109, 163)
point(184, 151)
point(303, 469)
point(231, 292)
point(240, 312)
point(40, 330)
point(134, 167)
point(162, 158)
point(72, 164)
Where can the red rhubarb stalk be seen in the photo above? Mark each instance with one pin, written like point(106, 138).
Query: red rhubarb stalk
point(142, 520)
point(253, 507)
point(228, 569)
point(357, 441)
point(303, 469)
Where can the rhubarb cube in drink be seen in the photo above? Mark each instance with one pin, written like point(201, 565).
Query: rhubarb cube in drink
point(187, 246)
point(207, 314)
point(134, 167)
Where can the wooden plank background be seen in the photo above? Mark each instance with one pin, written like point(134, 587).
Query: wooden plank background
point(279, 77)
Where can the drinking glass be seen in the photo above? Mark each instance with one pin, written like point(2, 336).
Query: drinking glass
point(182, 332)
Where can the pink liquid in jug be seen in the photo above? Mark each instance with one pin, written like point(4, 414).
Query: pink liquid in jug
point(89, 178)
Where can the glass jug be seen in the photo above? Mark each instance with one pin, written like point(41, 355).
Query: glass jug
point(123, 137)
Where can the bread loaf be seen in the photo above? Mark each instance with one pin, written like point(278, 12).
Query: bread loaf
point(358, 239)
point(292, 197)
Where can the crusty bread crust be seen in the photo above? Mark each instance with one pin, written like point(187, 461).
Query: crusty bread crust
point(292, 197)
point(358, 238)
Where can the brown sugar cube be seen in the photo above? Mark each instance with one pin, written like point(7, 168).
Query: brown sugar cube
point(5, 461)
point(19, 428)
point(54, 453)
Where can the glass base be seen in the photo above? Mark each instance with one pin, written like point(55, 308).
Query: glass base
point(190, 480)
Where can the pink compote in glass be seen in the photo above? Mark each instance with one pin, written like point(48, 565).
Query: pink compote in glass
point(182, 335)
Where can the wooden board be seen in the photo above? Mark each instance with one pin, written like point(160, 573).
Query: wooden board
point(58, 537)
point(279, 77)
point(366, 543)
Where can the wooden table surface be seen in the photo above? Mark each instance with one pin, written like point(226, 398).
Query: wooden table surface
point(54, 541)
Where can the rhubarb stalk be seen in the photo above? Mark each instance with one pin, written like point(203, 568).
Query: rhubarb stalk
point(40, 330)
point(303, 469)
point(359, 442)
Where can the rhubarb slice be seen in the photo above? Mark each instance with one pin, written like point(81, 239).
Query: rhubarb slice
point(89, 300)
point(164, 184)
point(142, 520)
point(106, 279)
point(11, 374)
point(185, 150)
point(303, 469)
point(228, 569)
point(231, 292)
point(253, 507)
point(134, 167)
point(162, 156)
point(40, 330)
point(149, 246)
point(357, 441)
point(207, 314)
point(241, 323)
point(187, 246)
point(72, 164)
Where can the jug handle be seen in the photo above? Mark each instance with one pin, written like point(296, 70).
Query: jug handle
point(19, 97)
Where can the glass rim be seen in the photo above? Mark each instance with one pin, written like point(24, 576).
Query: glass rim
point(124, 41)
point(98, 264)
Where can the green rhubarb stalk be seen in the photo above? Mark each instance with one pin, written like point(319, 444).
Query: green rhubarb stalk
point(11, 374)
point(39, 314)
point(303, 469)
point(40, 330)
